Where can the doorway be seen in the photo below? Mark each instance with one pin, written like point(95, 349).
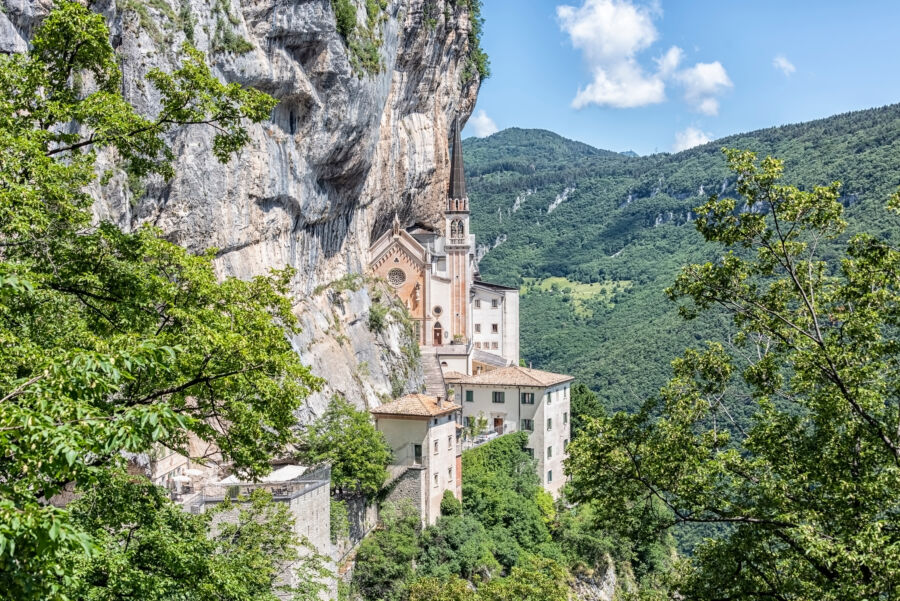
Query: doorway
point(438, 334)
point(498, 425)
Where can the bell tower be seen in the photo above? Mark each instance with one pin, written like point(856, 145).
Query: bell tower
point(459, 242)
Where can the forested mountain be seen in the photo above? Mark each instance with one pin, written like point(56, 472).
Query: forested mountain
point(594, 237)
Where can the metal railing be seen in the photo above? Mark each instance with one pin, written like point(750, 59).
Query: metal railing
point(280, 491)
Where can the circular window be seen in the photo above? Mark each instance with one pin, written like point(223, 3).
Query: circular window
point(437, 310)
point(396, 277)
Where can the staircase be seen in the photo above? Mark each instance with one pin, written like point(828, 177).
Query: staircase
point(434, 377)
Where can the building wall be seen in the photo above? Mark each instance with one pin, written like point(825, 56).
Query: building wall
point(440, 461)
point(441, 465)
point(484, 317)
point(510, 327)
point(512, 412)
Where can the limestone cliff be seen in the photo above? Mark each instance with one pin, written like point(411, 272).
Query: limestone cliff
point(344, 150)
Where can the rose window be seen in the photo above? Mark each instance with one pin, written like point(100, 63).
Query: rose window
point(396, 277)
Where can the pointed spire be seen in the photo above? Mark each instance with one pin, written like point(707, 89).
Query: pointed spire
point(457, 175)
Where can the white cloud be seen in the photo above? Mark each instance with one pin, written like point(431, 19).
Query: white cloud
point(702, 83)
point(781, 63)
point(610, 34)
point(483, 125)
point(688, 138)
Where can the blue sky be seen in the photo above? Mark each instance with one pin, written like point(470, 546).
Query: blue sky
point(663, 75)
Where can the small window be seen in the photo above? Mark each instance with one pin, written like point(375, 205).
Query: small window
point(530, 452)
point(495, 328)
point(470, 396)
point(478, 328)
point(469, 421)
point(494, 345)
point(435, 479)
point(549, 423)
point(528, 398)
point(565, 418)
point(498, 396)
point(549, 476)
point(477, 345)
point(450, 474)
point(477, 303)
point(528, 425)
point(566, 444)
point(549, 452)
point(495, 303)
point(548, 397)
point(435, 447)
point(437, 310)
point(450, 443)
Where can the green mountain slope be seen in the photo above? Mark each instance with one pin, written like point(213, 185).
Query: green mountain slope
point(594, 237)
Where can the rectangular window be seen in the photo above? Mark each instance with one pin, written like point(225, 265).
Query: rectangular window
point(548, 397)
point(450, 443)
point(494, 345)
point(435, 447)
point(528, 398)
point(435, 479)
point(549, 476)
point(469, 421)
point(495, 328)
point(549, 452)
point(528, 425)
point(450, 475)
point(477, 303)
point(470, 396)
point(495, 303)
point(549, 423)
point(565, 418)
point(477, 345)
point(530, 452)
point(565, 444)
point(478, 328)
point(498, 396)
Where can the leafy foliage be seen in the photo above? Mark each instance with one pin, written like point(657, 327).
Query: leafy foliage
point(346, 438)
point(150, 547)
point(115, 343)
point(384, 560)
point(809, 487)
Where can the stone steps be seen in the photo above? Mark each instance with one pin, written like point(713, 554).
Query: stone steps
point(434, 377)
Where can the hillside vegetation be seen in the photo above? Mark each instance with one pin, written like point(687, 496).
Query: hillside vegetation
point(546, 207)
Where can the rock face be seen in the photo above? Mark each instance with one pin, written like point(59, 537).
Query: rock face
point(344, 150)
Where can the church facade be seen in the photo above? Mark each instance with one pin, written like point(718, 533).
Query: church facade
point(434, 272)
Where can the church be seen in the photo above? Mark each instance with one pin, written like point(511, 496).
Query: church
point(466, 322)
point(468, 332)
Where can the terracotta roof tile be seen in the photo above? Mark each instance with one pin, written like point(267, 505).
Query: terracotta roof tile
point(417, 405)
point(517, 376)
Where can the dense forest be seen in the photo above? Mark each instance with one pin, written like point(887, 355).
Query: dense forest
point(594, 237)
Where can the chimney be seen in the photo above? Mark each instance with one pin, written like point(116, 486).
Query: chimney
point(440, 402)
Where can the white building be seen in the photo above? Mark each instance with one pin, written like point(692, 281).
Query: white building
point(423, 435)
point(513, 399)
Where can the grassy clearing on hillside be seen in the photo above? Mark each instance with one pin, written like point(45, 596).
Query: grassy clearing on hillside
point(579, 292)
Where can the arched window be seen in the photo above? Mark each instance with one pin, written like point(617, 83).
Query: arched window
point(457, 231)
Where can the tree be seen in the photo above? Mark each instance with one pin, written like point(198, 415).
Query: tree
point(114, 343)
point(346, 438)
point(453, 588)
point(810, 489)
point(585, 406)
point(384, 560)
point(537, 579)
point(149, 548)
